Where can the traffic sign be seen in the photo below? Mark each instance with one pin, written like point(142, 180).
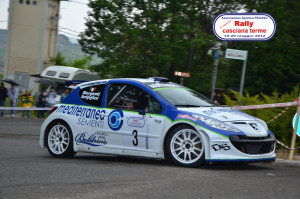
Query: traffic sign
point(294, 124)
point(181, 74)
point(236, 54)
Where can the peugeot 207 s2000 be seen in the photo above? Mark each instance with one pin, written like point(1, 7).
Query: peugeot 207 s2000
point(153, 118)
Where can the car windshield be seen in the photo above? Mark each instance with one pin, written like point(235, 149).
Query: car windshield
point(183, 97)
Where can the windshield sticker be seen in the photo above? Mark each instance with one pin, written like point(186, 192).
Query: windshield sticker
point(161, 85)
point(93, 83)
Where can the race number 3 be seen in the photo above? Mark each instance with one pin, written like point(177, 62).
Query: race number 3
point(135, 142)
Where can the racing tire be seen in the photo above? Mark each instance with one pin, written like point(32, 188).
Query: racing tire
point(185, 147)
point(60, 141)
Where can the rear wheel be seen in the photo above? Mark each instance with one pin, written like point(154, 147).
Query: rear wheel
point(60, 141)
point(185, 147)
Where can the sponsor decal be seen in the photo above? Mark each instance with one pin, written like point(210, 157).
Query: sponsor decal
point(93, 89)
point(187, 117)
point(136, 122)
point(218, 147)
point(223, 116)
point(86, 116)
point(93, 83)
point(244, 26)
point(115, 120)
point(227, 110)
point(161, 85)
point(96, 139)
point(90, 95)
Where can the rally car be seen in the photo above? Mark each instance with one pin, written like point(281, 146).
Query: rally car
point(153, 118)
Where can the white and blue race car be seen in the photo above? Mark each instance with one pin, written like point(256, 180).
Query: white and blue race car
point(153, 118)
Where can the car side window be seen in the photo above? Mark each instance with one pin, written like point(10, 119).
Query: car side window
point(92, 94)
point(130, 97)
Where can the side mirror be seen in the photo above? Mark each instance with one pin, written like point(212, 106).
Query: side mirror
point(142, 112)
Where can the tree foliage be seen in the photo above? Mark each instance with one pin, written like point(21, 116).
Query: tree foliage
point(150, 38)
point(83, 63)
point(139, 38)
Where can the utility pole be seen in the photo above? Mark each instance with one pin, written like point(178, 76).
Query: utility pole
point(214, 75)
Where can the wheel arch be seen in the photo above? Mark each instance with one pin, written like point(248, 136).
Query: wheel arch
point(171, 129)
point(204, 135)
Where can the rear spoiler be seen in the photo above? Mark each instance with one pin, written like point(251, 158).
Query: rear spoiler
point(73, 83)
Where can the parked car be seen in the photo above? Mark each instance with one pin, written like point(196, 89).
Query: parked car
point(153, 118)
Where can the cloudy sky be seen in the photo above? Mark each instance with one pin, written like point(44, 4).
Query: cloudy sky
point(72, 16)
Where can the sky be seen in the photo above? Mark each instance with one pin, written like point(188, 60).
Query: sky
point(72, 16)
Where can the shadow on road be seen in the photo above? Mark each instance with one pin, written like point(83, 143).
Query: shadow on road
point(114, 159)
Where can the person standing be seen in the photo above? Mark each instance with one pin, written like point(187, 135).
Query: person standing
point(41, 103)
point(13, 93)
point(51, 98)
point(27, 100)
point(3, 96)
point(65, 94)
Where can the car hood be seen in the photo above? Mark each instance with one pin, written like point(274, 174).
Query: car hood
point(223, 114)
point(247, 124)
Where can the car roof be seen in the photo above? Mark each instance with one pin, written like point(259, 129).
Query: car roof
point(141, 80)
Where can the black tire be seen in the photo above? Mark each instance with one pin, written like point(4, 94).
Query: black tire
point(60, 140)
point(185, 147)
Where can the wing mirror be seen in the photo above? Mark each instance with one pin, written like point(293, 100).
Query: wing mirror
point(142, 112)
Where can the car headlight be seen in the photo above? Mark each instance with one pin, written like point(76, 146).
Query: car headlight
point(217, 124)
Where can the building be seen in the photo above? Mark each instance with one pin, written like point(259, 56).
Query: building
point(31, 43)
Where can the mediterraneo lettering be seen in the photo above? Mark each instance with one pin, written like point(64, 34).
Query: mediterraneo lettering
point(92, 140)
point(87, 116)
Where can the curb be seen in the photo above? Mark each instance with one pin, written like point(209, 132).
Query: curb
point(283, 162)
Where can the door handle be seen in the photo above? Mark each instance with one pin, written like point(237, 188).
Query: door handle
point(157, 121)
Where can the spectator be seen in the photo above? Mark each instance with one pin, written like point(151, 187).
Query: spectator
point(51, 98)
point(27, 100)
point(41, 103)
point(64, 95)
point(3, 96)
point(13, 94)
point(218, 98)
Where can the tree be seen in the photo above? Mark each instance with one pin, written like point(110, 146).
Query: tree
point(150, 38)
point(83, 63)
point(139, 38)
point(60, 60)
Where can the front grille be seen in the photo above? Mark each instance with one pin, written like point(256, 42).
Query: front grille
point(253, 145)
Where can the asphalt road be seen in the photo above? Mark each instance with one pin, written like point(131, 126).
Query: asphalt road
point(28, 171)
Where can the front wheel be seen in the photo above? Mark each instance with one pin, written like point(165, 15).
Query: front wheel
point(185, 147)
point(60, 141)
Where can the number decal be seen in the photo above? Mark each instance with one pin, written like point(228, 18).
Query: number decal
point(135, 142)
